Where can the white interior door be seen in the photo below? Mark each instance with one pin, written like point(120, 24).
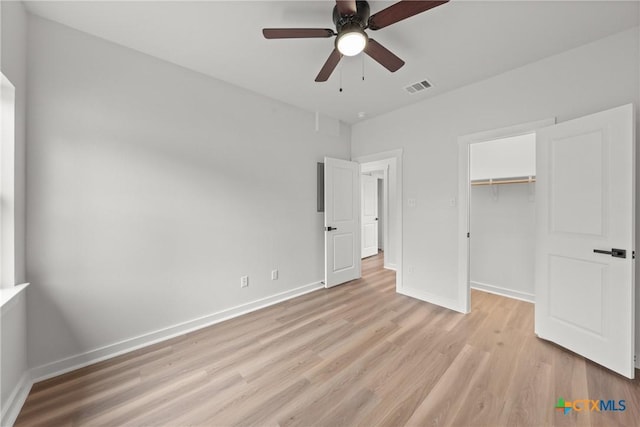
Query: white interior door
point(369, 221)
point(341, 221)
point(585, 203)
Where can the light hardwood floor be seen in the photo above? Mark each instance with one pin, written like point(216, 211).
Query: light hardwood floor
point(358, 354)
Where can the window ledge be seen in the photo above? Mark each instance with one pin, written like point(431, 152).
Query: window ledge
point(6, 294)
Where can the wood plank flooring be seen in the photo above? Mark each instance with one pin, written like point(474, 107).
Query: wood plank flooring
point(355, 355)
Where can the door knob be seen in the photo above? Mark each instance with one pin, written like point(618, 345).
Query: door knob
point(330, 228)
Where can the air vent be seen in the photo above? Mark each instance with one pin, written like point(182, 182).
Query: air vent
point(417, 87)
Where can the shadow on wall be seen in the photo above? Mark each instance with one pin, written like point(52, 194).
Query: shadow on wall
point(57, 331)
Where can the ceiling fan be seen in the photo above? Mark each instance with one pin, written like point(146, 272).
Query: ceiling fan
point(351, 18)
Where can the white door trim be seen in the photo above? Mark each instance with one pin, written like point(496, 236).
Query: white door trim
point(394, 193)
point(464, 143)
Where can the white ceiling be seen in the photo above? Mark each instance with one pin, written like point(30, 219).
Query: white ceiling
point(452, 45)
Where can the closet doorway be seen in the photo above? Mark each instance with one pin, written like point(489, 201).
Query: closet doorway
point(497, 207)
point(502, 223)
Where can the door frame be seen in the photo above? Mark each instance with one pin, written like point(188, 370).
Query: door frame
point(384, 207)
point(390, 162)
point(464, 185)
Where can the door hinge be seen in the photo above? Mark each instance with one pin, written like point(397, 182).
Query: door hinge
point(468, 235)
point(633, 254)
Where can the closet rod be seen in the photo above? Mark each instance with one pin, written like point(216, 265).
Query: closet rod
point(505, 181)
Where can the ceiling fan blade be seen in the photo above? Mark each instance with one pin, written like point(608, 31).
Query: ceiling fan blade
point(346, 7)
point(384, 56)
point(329, 66)
point(402, 10)
point(296, 33)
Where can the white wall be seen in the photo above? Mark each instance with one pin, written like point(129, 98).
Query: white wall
point(585, 80)
point(152, 189)
point(13, 342)
point(502, 244)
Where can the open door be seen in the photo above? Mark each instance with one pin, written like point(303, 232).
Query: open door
point(341, 221)
point(585, 237)
point(369, 215)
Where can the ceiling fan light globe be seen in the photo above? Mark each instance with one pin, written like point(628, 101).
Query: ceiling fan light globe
point(351, 43)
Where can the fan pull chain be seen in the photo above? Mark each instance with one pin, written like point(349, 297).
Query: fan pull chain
point(341, 78)
point(362, 67)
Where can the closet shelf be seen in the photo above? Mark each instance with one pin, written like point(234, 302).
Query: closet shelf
point(514, 180)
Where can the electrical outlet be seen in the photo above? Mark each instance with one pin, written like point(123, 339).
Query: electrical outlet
point(412, 203)
point(274, 274)
point(244, 281)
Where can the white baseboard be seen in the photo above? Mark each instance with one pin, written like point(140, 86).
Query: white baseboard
point(11, 409)
point(449, 303)
point(509, 293)
point(72, 363)
point(391, 266)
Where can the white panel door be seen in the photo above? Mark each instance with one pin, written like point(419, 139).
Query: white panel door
point(341, 221)
point(369, 216)
point(585, 204)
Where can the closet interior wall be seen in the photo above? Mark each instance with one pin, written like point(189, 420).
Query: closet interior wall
point(502, 220)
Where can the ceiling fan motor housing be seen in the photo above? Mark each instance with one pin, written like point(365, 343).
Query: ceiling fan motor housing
point(349, 22)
